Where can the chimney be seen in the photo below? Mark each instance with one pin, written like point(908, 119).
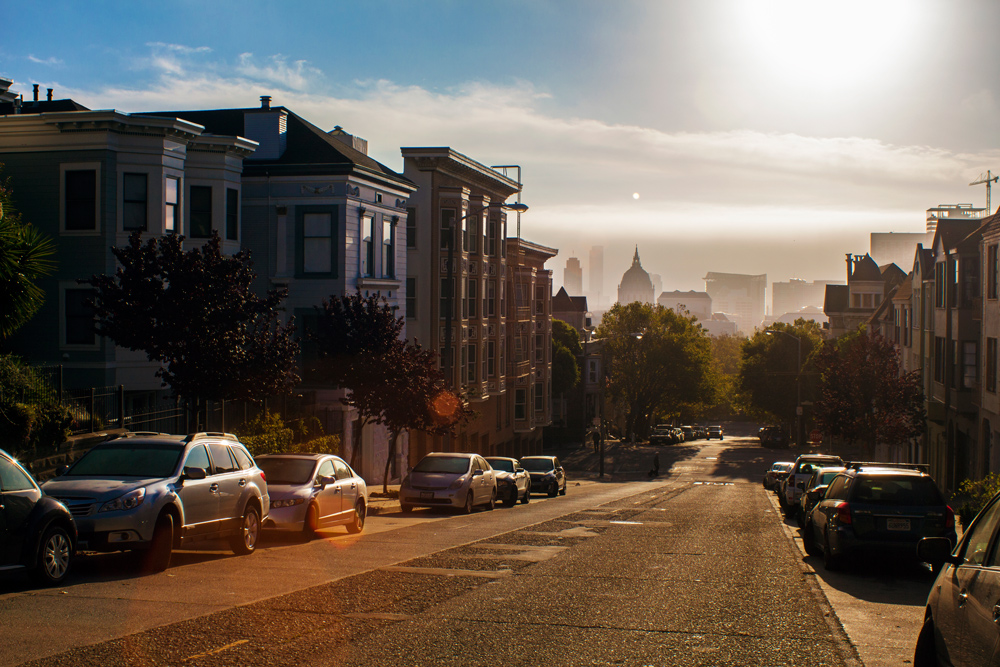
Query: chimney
point(268, 127)
point(265, 101)
point(48, 94)
point(35, 87)
point(850, 266)
point(357, 143)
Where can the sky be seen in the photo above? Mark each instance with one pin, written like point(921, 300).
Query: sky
point(742, 136)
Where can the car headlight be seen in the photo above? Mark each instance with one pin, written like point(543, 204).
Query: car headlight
point(457, 484)
point(129, 501)
point(406, 482)
point(286, 502)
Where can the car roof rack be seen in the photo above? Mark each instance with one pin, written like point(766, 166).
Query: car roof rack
point(919, 467)
point(210, 434)
point(142, 434)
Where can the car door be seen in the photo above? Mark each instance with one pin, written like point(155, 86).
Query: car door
point(229, 483)
point(198, 498)
point(560, 472)
point(348, 482)
point(969, 593)
point(18, 495)
point(328, 496)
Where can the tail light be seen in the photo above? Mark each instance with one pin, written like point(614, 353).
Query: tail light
point(843, 513)
point(262, 477)
point(949, 517)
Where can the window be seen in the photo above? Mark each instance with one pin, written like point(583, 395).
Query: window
point(378, 197)
point(539, 398)
point(491, 358)
point(198, 458)
point(343, 471)
point(200, 224)
point(491, 298)
point(411, 227)
point(411, 298)
point(465, 233)
point(503, 298)
point(447, 227)
point(232, 214)
point(473, 297)
point(484, 372)
point(939, 359)
point(134, 202)
point(367, 246)
point(472, 358)
point(12, 479)
point(991, 364)
point(242, 458)
point(991, 271)
point(952, 282)
point(977, 541)
point(592, 371)
point(539, 348)
point(970, 364)
point(520, 404)
point(475, 222)
point(80, 199)
point(317, 243)
point(79, 317)
point(222, 462)
point(939, 286)
point(491, 237)
point(388, 248)
point(171, 205)
point(447, 300)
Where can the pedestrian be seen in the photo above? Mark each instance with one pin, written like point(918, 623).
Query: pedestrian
point(597, 439)
point(655, 472)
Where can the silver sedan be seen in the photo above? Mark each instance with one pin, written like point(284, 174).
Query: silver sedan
point(449, 480)
point(310, 492)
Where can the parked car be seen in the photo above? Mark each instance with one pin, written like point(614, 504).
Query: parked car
point(449, 480)
point(155, 492)
point(773, 436)
point(661, 435)
point(794, 483)
point(714, 432)
point(547, 474)
point(513, 481)
point(310, 492)
point(814, 489)
point(688, 432)
point(777, 472)
point(678, 434)
point(960, 627)
point(36, 532)
point(878, 510)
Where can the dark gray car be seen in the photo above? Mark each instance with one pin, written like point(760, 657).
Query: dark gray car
point(547, 474)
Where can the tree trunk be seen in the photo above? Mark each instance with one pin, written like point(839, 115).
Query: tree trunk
point(356, 444)
point(388, 461)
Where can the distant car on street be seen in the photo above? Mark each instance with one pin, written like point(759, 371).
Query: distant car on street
point(813, 491)
point(456, 480)
point(513, 481)
point(36, 532)
point(310, 492)
point(773, 436)
point(777, 472)
point(794, 483)
point(714, 432)
point(662, 434)
point(547, 474)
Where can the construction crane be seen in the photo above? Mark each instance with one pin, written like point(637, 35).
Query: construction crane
point(988, 179)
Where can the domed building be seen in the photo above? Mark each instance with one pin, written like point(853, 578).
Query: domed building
point(636, 284)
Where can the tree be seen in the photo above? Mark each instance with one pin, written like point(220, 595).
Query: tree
point(726, 356)
point(195, 313)
point(769, 370)
point(863, 397)
point(658, 363)
point(566, 352)
point(26, 255)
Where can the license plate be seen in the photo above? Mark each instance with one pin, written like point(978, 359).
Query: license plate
point(897, 524)
point(426, 495)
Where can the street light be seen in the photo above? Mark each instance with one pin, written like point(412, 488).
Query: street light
point(798, 384)
point(449, 315)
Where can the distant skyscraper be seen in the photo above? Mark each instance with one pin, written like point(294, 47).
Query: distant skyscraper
point(573, 277)
point(596, 286)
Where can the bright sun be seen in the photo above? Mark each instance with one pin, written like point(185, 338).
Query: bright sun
point(827, 43)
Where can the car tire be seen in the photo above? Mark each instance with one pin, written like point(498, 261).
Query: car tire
point(809, 540)
point(493, 501)
point(244, 542)
point(511, 500)
point(527, 495)
point(157, 558)
point(357, 524)
point(55, 555)
point(562, 491)
point(925, 654)
point(310, 527)
point(405, 509)
point(553, 489)
point(831, 562)
point(467, 507)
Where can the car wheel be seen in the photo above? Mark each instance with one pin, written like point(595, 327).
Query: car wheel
point(562, 491)
point(157, 559)
point(311, 525)
point(358, 523)
point(493, 501)
point(511, 498)
point(527, 495)
point(405, 509)
point(467, 508)
point(808, 540)
point(925, 654)
point(244, 542)
point(54, 556)
point(830, 561)
point(553, 489)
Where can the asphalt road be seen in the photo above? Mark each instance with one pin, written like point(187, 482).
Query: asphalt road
point(693, 568)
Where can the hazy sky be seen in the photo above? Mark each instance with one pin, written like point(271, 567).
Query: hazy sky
point(750, 136)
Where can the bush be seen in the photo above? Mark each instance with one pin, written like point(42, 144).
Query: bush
point(30, 415)
point(978, 493)
point(325, 444)
point(268, 434)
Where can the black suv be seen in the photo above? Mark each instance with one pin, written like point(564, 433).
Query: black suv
point(36, 532)
point(878, 508)
point(773, 436)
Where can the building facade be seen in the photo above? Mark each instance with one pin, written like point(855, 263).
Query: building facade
point(636, 285)
point(739, 296)
point(573, 276)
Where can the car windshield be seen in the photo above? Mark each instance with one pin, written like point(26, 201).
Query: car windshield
point(443, 464)
point(128, 460)
point(781, 467)
point(879, 490)
point(537, 465)
point(279, 470)
point(502, 465)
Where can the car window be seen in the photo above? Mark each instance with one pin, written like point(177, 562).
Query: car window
point(325, 470)
point(556, 463)
point(343, 472)
point(198, 458)
point(883, 490)
point(221, 458)
point(977, 542)
point(501, 464)
point(242, 458)
point(12, 479)
point(836, 488)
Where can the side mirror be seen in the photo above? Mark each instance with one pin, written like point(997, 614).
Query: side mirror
point(327, 479)
point(477, 472)
point(936, 551)
point(194, 473)
point(62, 470)
point(518, 470)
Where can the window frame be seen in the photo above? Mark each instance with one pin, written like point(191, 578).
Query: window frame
point(232, 214)
point(172, 219)
point(64, 320)
point(388, 247)
point(126, 201)
point(204, 195)
point(63, 208)
point(300, 241)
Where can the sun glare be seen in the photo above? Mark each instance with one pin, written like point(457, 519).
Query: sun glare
point(826, 44)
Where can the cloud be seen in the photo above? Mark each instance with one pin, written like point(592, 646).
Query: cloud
point(178, 48)
point(297, 75)
point(51, 60)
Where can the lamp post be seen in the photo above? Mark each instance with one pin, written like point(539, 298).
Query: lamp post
point(450, 296)
point(798, 384)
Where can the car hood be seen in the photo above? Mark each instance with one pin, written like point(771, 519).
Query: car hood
point(541, 473)
point(278, 491)
point(99, 488)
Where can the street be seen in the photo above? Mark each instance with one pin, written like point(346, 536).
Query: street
point(696, 567)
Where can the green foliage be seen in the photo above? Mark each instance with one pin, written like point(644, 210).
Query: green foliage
point(25, 256)
point(978, 493)
point(266, 434)
point(30, 415)
point(566, 352)
point(567, 336)
point(727, 353)
point(769, 369)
